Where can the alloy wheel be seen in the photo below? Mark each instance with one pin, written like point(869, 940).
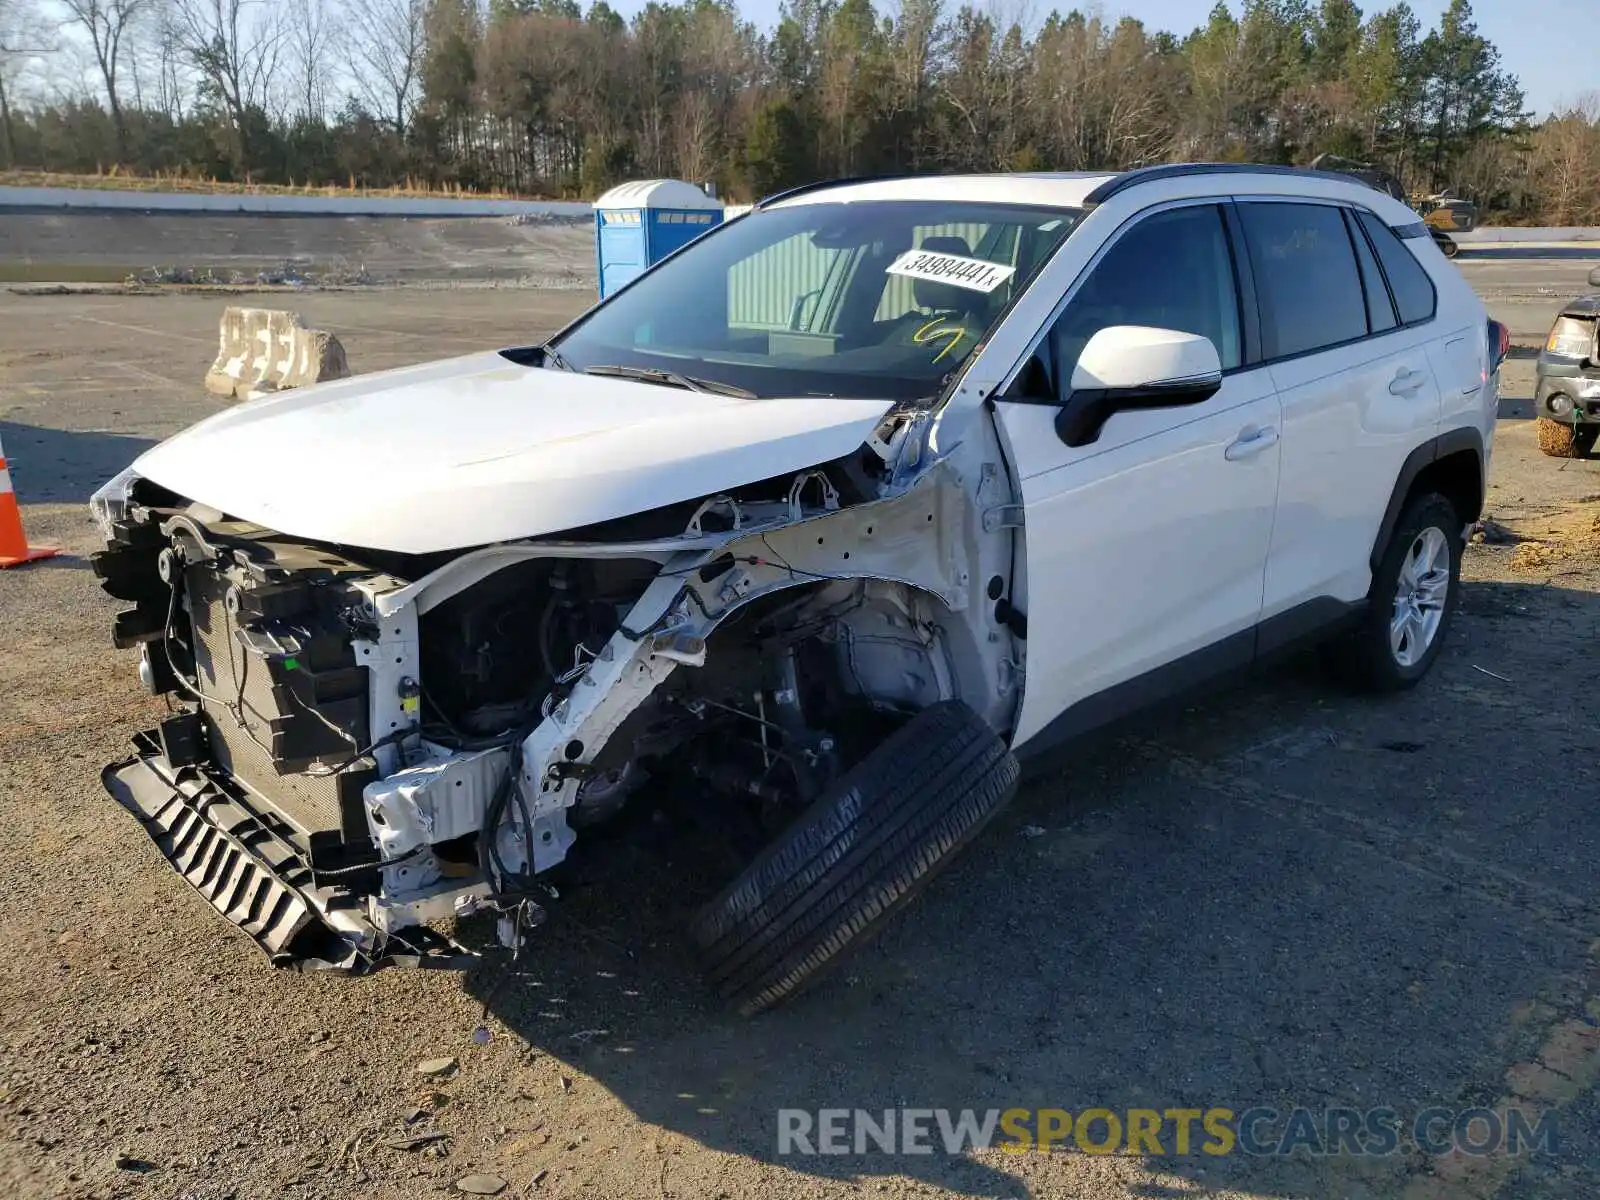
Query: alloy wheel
point(1420, 595)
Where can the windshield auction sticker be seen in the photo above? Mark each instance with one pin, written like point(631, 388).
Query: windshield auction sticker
point(972, 273)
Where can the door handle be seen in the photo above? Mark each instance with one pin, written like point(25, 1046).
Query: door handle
point(1407, 382)
point(1251, 442)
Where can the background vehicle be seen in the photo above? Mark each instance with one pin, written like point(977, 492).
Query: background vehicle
point(818, 527)
point(1448, 213)
point(1440, 214)
point(1566, 397)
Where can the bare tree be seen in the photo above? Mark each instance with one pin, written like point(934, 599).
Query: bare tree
point(237, 46)
point(716, 66)
point(312, 31)
point(1566, 163)
point(388, 42)
point(24, 35)
point(697, 137)
point(853, 67)
point(108, 24)
point(913, 42)
point(170, 59)
point(972, 86)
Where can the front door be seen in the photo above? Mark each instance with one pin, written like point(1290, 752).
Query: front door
point(1145, 550)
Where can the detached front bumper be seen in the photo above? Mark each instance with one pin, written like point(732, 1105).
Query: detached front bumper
point(257, 878)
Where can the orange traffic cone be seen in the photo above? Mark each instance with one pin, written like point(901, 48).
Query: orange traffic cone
point(14, 549)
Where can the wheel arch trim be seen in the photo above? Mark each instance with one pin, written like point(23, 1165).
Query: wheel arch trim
point(1465, 439)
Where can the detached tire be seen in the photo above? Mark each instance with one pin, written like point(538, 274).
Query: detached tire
point(1410, 604)
point(1556, 438)
point(855, 857)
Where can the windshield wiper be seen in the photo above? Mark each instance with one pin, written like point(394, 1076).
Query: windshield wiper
point(672, 379)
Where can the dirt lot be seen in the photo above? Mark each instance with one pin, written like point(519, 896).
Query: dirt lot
point(1280, 896)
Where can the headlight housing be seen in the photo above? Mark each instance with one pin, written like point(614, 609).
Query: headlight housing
point(110, 504)
point(1571, 337)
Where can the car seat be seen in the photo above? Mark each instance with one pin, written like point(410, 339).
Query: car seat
point(948, 320)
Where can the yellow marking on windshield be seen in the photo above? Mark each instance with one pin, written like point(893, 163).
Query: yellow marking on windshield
point(936, 329)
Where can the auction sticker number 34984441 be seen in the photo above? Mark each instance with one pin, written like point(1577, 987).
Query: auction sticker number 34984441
point(954, 269)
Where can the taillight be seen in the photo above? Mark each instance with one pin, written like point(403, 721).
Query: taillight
point(1499, 343)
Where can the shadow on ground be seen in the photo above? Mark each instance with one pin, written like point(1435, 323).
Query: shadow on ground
point(1280, 896)
point(1516, 408)
point(64, 466)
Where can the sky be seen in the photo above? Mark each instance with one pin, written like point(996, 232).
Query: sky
point(1547, 44)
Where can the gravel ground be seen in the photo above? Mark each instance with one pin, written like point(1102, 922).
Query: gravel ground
point(1279, 896)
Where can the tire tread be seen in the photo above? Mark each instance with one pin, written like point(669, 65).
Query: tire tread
point(855, 857)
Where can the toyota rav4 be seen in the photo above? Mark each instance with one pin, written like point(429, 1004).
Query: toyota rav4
point(820, 525)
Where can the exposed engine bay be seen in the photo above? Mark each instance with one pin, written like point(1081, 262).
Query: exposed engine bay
point(362, 742)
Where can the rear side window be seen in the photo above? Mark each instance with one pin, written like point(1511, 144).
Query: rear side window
point(1414, 295)
point(1305, 267)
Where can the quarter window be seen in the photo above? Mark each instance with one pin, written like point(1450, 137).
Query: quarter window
point(1414, 294)
point(1380, 312)
point(1170, 271)
point(1306, 274)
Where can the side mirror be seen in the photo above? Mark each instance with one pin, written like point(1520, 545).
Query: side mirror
point(1126, 367)
point(1594, 278)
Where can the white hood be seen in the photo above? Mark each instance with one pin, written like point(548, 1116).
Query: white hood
point(474, 450)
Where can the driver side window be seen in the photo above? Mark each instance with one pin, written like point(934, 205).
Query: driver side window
point(1170, 271)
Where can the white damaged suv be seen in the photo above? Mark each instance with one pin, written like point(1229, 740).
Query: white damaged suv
point(820, 525)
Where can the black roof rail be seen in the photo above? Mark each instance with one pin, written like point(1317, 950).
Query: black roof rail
point(1138, 175)
point(819, 184)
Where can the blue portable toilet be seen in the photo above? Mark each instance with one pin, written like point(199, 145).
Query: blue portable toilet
point(638, 224)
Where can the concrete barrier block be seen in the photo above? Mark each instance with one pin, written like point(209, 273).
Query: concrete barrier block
point(263, 350)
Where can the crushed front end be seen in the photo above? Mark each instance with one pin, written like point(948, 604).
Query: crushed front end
point(362, 743)
point(306, 783)
point(282, 716)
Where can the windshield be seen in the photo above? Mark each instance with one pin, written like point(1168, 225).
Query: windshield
point(869, 299)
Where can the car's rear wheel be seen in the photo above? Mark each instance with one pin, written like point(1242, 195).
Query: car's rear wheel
point(855, 857)
point(1411, 602)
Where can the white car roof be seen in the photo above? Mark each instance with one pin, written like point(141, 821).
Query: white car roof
point(1065, 189)
point(1076, 189)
